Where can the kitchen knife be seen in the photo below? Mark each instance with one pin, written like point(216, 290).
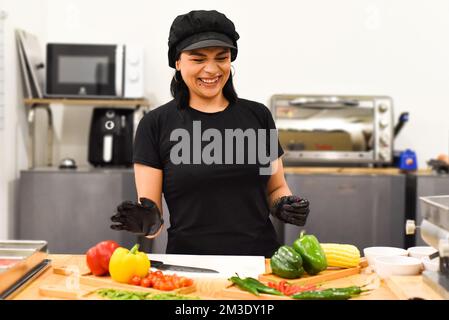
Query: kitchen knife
point(171, 267)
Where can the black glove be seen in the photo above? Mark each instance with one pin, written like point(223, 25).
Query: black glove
point(291, 209)
point(142, 219)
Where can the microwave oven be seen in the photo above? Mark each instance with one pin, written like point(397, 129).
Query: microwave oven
point(334, 130)
point(94, 71)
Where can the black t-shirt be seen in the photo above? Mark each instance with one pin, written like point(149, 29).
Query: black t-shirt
point(219, 207)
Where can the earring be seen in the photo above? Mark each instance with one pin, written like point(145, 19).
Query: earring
point(232, 71)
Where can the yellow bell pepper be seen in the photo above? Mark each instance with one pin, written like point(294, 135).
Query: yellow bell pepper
point(125, 264)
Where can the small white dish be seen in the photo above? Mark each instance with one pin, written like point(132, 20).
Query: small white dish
point(431, 265)
point(421, 252)
point(387, 266)
point(373, 252)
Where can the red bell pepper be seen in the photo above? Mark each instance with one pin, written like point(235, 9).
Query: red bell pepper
point(98, 257)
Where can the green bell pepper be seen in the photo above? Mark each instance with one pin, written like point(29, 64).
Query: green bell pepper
point(287, 263)
point(313, 256)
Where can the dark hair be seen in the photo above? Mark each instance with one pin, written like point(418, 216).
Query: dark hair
point(180, 91)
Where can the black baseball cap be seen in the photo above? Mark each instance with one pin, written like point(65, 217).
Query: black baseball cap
point(201, 29)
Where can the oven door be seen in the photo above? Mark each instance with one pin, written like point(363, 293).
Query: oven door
point(84, 70)
point(318, 134)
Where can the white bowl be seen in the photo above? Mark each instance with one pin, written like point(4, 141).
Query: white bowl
point(431, 265)
point(372, 252)
point(397, 266)
point(421, 252)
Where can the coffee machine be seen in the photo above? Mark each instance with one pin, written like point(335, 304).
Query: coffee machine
point(111, 137)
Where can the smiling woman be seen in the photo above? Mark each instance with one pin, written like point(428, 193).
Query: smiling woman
point(205, 72)
point(199, 150)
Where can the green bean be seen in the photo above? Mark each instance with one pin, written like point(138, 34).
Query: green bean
point(114, 294)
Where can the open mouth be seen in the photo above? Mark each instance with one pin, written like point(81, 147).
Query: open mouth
point(210, 81)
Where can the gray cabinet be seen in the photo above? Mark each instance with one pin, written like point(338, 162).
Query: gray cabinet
point(429, 185)
point(364, 210)
point(72, 209)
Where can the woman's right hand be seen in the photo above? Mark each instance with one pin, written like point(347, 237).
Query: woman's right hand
point(142, 218)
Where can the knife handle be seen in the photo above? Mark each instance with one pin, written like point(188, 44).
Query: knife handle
point(156, 264)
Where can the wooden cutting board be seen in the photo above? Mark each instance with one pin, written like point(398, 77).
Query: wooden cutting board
point(106, 282)
point(323, 276)
point(327, 275)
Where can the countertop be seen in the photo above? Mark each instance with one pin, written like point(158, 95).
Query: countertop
point(210, 288)
point(287, 170)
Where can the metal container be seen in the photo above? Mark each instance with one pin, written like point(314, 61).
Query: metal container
point(20, 260)
point(435, 209)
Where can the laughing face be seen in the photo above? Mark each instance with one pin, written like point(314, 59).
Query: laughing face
point(205, 72)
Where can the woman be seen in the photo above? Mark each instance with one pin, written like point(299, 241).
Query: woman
point(218, 195)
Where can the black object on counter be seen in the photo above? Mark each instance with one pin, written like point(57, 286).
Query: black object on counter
point(111, 137)
point(439, 166)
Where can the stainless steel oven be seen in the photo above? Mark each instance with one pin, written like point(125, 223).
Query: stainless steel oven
point(334, 129)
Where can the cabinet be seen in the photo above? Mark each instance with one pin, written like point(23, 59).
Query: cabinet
point(71, 209)
point(361, 209)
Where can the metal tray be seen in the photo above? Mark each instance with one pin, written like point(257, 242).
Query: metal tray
point(23, 244)
point(28, 255)
point(435, 209)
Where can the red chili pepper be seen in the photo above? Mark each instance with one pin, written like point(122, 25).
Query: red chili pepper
point(98, 257)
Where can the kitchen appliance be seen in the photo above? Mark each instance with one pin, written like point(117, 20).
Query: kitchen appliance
point(434, 230)
point(94, 71)
point(111, 137)
point(334, 130)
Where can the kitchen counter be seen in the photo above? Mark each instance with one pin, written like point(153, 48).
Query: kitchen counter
point(351, 171)
point(210, 288)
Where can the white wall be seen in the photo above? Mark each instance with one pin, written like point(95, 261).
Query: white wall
point(397, 48)
point(27, 15)
point(392, 47)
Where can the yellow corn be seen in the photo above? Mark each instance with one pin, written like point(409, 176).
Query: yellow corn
point(341, 255)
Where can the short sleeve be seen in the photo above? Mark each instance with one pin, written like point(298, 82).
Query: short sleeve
point(146, 142)
point(272, 127)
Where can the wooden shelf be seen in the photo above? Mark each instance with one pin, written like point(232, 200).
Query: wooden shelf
point(90, 102)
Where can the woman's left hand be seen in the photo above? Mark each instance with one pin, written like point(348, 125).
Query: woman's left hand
point(291, 209)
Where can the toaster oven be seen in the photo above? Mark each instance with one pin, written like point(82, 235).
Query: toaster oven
point(335, 130)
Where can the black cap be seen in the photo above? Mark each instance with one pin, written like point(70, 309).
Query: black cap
point(201, 29)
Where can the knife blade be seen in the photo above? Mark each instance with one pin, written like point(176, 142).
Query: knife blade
point(172, 267)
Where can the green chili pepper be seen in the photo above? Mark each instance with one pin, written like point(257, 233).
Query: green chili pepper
point(329, 294)
point(260, 287)
point(313, 256)
point(244, 285)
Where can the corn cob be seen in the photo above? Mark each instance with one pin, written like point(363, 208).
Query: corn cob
point(341, 255)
